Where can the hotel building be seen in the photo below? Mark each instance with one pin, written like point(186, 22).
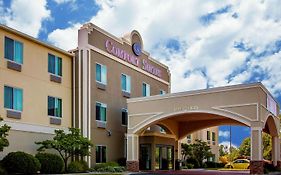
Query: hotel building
point(108, 71)
point(35, 89)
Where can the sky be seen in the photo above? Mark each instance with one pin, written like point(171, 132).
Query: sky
point(205, 43)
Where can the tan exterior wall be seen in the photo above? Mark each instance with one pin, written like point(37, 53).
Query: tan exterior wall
point(34, 80)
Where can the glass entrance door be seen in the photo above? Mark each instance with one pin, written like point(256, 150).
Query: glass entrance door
point(145, 157)
point(164, 156)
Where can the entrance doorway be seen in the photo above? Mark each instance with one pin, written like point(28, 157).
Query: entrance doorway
point(145, 157)
point(164, 156)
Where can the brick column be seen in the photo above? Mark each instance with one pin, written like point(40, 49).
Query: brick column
point(132, 166)
point(256, 167)
point(278, 165)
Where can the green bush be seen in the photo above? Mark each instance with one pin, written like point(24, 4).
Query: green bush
point(20, 162)
point(214, 165)
point(2, 170)
point(189, 166)
point(122, 161)
point(77, 167)
point(50, 163)
point(194, 162)
point(108, 167)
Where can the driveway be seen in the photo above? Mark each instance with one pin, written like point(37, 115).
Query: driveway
point(195, 172)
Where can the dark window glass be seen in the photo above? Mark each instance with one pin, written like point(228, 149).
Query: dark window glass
point(98, 106)
point(124, 117)
point(98, 72)
point(9, 48)
point(54, 107)
point(213, 136)
point(100, 154)
point(8, 99)
point(208, 135)
point(143, 89)
point(51, 63)
point(51, 106)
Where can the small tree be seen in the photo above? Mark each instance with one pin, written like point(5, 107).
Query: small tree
point(67, 144)
point(4, 142)
point(201, 150)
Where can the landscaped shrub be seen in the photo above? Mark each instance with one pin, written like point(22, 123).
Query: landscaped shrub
point(214, 165)
point(194, 162)
point(122, 161)
point(77, 167)
point(20, 162)
point(50, 163)
point(189, 166)
point(108, 167)
point(2, 170)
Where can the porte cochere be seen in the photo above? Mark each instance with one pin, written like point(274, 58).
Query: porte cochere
point(157, 123)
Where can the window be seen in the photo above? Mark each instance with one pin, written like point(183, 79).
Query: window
point(213, 136)
point(208, 135)
point(100, 154)
point(188, 137)
point(126, 83)
point(13, 50)
point(124, 116)
point(13, 98)
point(100, 111)
point(54, 65)
point(162, 92)
point(145, 90)
point(54, 107)
point(101, 73)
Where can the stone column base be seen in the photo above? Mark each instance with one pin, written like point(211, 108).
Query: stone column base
point(256, 167)
point(132, 166)
point(278, 165)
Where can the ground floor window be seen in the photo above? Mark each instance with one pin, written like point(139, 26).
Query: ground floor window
point(100, 154)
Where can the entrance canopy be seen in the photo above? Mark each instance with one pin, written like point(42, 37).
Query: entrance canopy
point(182, 113)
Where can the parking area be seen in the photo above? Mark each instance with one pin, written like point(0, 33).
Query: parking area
point(196, 172)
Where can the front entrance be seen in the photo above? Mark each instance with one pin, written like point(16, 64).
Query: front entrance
point(145, 157)
point(164, 156)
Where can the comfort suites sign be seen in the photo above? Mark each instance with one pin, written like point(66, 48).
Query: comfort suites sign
point(132, 59)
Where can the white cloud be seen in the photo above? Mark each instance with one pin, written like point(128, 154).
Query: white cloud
point(224, 134)
point(226, 144)
point(64, 1)
point(65, 38)
point(25, 16)
point(207, 55)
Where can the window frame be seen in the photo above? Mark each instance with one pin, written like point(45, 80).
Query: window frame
point(100, 156)
point(127, 78)
point(102, 105)
point(124, 110)
point(13, 59)
point(146, 87)
point(162, 92)
point(208, 135)
point(56, 62)
point(55, 98)
point(22, 98)
point(102, 66)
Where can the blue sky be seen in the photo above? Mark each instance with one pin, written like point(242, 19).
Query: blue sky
point(205, 43)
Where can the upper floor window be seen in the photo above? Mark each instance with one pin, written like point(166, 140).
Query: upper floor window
point(100, 111)
point(101, 73)
point(54, 65)
point(54, 107)
point(208, 135)
point(13, 98)
point(188, 137)
point(162, 92)
point(124, 116)
point(13, 50)
point(145, 90)
point(213, 136)
point(126, 83)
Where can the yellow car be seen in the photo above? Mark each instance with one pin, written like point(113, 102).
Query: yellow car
point(239, 164)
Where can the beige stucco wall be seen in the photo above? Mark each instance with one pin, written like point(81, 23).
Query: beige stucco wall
point(34, 79)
